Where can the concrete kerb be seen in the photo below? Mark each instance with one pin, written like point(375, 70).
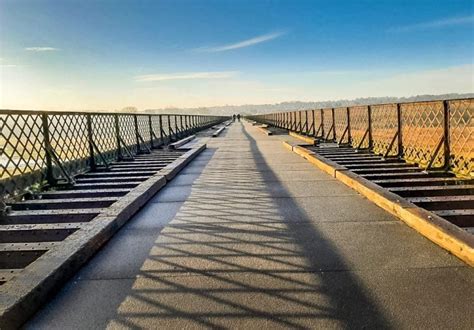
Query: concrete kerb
point(24, 294)
point(304, 138)
point(171, 170)
point(326, 165)
point(264, 130)
point(219, 131)
point(181, 142)
point(438, 230)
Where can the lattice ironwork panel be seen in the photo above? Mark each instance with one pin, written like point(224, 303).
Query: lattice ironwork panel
point(179, 123)
point(318, 115)
point(155, 126)
point(311, 122)
point(461, 136)
point(359, 125)
point(69, 140)
point(327, 113)
point(291, 120)
point(340, 115)
point(172, 121)
point(302, 119)
point(104, 136)
point(144, 129)
point(282, 119)
point(165, 125)
point(127, 132)
point(22, 155)
point(384, 128)
point(422, 130)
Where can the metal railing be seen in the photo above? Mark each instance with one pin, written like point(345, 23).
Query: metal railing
point(433, 134)
point(39, 147)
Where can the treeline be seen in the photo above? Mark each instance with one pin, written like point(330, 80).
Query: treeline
point(298, 105)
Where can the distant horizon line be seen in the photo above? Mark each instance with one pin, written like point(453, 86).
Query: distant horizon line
point(433, 97)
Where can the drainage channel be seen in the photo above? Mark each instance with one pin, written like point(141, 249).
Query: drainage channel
point(35, 226)
point(442, 193)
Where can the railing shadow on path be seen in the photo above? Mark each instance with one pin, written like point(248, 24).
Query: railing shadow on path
point(231, 259)
point(94, 291)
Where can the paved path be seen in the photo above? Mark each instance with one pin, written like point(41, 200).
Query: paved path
point(252, 236)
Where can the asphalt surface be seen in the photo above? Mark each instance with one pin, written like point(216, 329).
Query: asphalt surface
point(250, 235)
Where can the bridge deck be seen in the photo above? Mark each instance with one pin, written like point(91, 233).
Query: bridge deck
point(251, 235)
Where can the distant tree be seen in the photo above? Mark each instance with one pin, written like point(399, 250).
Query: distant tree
point(129, 109)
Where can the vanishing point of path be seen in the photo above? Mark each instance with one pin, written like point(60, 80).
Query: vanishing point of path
point(250, 235)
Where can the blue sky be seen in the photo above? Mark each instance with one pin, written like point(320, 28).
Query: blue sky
point(110, 54)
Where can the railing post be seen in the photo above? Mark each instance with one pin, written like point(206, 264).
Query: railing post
point(47, 146)
point(349, 136)
point(178, 136)
point(137, 134)
point(162, 138)
point(301, 124)
point(314, 124)
point(169, 128)
point(333, 125)
point(117, 136)
point(306, 122)
point(92, 162)
point(322, 124)
point(181, 123)
point(447, 146)
point(399, 128)
point(152, 134)
point(369, 114)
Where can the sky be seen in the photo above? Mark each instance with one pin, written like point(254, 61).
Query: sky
point(106, 55)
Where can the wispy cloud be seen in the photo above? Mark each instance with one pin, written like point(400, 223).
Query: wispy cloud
point(41, 49)
point(244, 43)
point(186, 76)
point(337, 72)
point(447, 22)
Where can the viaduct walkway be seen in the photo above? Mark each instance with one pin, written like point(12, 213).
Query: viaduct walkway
point(250, 235)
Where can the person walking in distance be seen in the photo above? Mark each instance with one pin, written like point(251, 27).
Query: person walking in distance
point(238, 116)
point(233, 117)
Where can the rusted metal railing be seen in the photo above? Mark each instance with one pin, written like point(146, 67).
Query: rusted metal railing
point(38, 147)
point(433, 134)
